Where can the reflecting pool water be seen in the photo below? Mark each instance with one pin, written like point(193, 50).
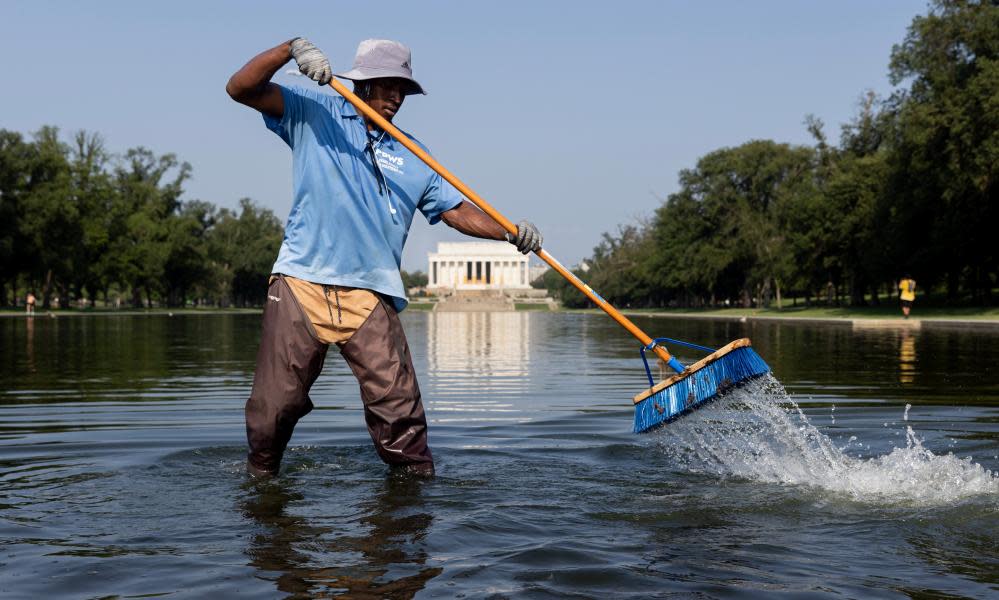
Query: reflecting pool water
point(865, 468)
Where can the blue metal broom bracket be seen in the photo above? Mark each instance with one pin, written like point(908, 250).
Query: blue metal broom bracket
point(673, 363)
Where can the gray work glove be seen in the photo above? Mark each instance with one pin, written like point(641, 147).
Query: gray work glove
point(311, 61)
point(528, 238)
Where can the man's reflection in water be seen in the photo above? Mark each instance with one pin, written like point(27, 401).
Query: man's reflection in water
point(907, 358)
point(377, 554)
point(29, 351)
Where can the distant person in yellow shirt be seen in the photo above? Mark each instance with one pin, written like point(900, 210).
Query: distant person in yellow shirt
point(907, 293)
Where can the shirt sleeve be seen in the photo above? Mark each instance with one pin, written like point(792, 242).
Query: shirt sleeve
point(439, 198)
point(301, 109)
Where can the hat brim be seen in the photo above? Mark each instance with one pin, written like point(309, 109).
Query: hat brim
point(364, 74)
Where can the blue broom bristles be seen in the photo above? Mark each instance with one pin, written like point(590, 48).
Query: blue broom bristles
point(730, 370)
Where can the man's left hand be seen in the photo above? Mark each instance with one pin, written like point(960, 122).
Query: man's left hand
point(528, 238)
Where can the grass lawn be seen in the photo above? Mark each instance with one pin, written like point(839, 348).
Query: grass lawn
point(530, 306)
point(420, 306)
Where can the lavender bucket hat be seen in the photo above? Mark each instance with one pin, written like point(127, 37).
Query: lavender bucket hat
point(383, 58)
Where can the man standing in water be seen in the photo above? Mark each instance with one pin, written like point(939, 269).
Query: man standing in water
point(336, 279)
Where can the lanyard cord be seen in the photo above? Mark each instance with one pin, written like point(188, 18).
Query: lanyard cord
point(379, 177)
point(383, 186)
point(374, 161)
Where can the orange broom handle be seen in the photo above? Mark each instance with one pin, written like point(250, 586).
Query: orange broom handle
point(503, 222)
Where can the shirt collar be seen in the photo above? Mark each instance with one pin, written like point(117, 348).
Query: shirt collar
point(349, 112)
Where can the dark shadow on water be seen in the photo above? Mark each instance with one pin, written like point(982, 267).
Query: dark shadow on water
point(372, 550)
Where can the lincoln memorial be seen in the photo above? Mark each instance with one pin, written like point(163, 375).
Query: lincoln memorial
point(477, 266)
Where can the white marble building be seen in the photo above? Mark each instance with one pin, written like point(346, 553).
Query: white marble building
point(477, 266)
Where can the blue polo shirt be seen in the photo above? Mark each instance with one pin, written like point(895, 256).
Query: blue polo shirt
point(350, 215)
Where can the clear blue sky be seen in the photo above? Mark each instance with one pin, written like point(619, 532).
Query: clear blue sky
point(576, 115)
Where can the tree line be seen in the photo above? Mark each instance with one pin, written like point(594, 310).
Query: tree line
point(83, 225)
point(910, 188)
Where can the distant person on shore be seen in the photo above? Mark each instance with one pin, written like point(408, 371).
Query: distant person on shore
point(907, 293)
point(29, 304)
point(336, 279)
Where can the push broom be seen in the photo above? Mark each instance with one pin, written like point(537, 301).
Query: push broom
point(691, 386)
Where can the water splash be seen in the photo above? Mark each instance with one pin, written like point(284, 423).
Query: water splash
point(759, 433)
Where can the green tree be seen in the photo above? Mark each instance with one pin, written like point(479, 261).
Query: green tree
point(724, 234)
point(187, 250)
point(242, 249)
point(15, 155)
point(619, 268)
point(945, 145)
point(49, 222)
point(147, 201)
point(563, 291)
point(414, 279)
point(94, 196)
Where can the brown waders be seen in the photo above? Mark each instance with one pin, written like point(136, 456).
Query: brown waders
point(301, 319)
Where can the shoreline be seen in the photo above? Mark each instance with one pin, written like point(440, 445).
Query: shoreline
point(854, 319)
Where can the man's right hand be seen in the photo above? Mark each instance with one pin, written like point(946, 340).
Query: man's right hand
point(528, 238)
point(311, 61)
